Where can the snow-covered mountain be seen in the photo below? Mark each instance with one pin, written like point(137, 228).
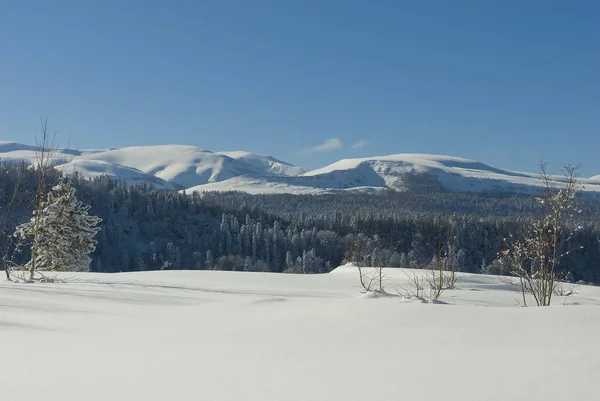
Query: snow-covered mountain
point(167, 166)
point(266, 163)
point(401, 172)
point(194, 169)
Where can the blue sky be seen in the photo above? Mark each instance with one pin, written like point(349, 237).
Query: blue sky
point(506, 82)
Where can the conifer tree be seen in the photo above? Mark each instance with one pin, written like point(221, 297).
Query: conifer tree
point(65, 232)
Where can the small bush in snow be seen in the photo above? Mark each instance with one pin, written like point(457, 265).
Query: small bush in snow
point(535, 255)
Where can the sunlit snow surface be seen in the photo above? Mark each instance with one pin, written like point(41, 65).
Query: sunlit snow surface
point(187, 335)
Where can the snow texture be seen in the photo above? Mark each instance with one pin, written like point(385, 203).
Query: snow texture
point(189, 335)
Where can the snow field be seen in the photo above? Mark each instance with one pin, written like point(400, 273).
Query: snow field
point(189, 335)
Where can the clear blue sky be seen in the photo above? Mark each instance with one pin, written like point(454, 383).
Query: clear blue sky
point(506, 82)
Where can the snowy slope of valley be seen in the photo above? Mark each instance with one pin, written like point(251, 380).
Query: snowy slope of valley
point(225, 336)
point(97, 168)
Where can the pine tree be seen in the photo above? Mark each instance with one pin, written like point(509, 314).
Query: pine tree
point(124, 261)
point(248, 267)
point(289, 261)
point(209, 263)
point(403, 260)
point(173, 255)
point(139, 262)
point(153, 254)
point(65, 232)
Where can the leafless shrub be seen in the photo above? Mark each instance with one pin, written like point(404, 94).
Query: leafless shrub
point(535, 255)
point(415, 287)
point(562, 290)
point(24, 276)
point(517, 285)
point(367, 279)
point(438, 276)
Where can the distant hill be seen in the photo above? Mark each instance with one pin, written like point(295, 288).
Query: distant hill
point(194, 169)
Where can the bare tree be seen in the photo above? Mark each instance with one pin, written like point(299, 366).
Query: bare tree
point(358, 255)
point(45, 154)
point(416, 286)
point(437, 276)
point(8, 246)
point(367, 279)
point(535, 255)
point(371, 278)
point(380, 275)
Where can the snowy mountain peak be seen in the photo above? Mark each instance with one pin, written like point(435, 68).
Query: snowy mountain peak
point(400, 172)
point(196, 169)
point(267, 163)
point(167, 166)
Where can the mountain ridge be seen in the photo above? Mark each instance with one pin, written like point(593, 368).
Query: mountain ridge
point(191, 168)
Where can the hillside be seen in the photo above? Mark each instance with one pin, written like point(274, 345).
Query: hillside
point(402, 172)
point(231, 336)
point(194, 169)
point(266, 163)
point(173, 166)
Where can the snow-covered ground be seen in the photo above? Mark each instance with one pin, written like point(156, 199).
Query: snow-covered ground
point(186, 335)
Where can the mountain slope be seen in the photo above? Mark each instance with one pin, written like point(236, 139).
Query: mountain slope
point(167, 166)
point(195, 169)
point(266, 163)
point(401, 172)
point(97, 168)
point(184, 165)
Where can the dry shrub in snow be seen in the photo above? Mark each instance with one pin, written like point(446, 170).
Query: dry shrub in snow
point(535, 255)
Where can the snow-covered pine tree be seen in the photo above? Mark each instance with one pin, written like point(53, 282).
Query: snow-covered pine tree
point(65, 232)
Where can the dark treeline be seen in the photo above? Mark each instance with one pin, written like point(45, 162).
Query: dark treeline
point(147, 229)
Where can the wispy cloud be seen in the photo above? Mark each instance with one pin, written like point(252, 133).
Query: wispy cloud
point(363, 143)
point(329, 145)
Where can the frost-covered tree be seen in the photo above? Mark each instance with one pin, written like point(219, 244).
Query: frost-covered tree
point(124, 263)
point(210, 262)
point(403, 260)
point(63, 231)
point(173, 256)
point(289, 261)
point(405, 223)
point(248, 264)
point(139, 262)
point(536, 256)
